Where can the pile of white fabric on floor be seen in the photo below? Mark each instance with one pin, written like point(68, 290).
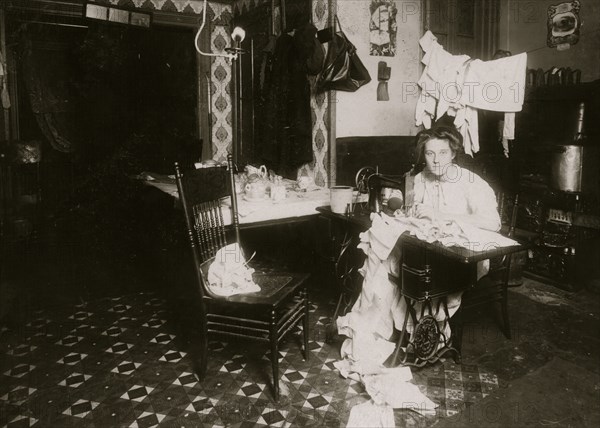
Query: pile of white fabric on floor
point(389, 389)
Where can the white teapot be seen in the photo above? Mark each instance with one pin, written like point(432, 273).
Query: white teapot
point(261, 171)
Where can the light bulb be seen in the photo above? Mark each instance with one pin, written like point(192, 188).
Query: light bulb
point(238, 34)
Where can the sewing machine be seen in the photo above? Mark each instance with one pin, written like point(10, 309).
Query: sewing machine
point(369, 180)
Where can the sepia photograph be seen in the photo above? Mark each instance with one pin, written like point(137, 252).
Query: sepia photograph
point(299, 213)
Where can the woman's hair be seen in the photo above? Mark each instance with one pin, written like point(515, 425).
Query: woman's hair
point(501, 54)
point(440, 132)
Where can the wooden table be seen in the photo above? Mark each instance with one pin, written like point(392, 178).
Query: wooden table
point(428, 271)
point(298, 206)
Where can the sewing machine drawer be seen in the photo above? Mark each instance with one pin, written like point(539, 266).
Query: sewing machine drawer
point(429, 274)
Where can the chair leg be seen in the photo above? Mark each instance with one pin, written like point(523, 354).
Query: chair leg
point(203, 352)
point(274, 356)
point(305, 323)
point(457, 335)
point(505, 320)
point(195, 316)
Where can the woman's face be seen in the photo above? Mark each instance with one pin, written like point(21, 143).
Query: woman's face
point(438, 156)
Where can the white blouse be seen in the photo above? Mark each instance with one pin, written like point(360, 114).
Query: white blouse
point(462, 192)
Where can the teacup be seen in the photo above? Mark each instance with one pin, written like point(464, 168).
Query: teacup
point(255, 190)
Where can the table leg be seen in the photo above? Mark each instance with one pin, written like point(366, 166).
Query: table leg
point(403, 333)
point(348, 281)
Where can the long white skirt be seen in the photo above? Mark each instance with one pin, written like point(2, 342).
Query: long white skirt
point(380, 308)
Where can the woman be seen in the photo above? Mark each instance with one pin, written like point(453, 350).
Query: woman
point(443, 193)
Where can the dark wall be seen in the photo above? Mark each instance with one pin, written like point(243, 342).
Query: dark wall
point(393, 155)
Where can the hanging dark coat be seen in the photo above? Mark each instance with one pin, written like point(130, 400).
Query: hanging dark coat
point(284, 121)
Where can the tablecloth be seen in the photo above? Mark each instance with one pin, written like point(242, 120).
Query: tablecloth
point(296, 203)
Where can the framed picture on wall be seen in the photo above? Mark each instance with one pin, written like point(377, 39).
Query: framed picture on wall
point(383, 27)
point(563, 24)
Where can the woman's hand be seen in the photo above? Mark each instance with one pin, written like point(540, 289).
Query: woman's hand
point(427, 212)
point(424, 211)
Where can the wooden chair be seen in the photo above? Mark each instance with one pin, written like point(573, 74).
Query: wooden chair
point(492, 289)
point(264, 316)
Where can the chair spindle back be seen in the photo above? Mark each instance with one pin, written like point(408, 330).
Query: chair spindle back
point(201, 192)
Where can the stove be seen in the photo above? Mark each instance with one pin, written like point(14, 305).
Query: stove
point(567, 230)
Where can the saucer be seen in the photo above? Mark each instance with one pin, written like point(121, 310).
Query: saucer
point(249, 199)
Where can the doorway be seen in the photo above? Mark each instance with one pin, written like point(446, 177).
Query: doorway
point(103, 103)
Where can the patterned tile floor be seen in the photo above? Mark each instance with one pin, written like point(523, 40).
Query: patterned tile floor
point(117, 362)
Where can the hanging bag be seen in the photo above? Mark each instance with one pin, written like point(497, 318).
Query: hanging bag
point(343, 70)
